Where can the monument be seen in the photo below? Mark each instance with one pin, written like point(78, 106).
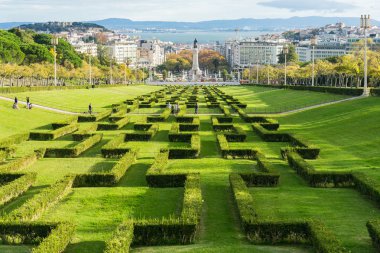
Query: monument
point(196, 73)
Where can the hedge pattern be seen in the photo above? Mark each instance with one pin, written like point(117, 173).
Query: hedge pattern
point(33, 208)
point(54, 134)
point(76, 150)
point(13, 185)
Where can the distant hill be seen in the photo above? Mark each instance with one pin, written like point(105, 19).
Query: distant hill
point(57, 27)
point(245, 24)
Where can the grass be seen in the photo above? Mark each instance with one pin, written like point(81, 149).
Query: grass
point(23, 120)
point(347, 134)
point(78, 100)
point(270, 100)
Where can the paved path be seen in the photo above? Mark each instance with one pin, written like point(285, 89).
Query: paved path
point(40, 107)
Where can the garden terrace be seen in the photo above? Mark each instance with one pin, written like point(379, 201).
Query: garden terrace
point(177, 185)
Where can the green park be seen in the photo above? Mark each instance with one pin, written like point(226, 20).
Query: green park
point(248, 168)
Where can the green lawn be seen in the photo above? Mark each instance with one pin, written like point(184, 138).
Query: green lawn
point(23, 120)
point(77, 100)
point(347, 134)
point(270, 100)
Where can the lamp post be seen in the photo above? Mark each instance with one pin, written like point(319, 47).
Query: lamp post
point(313, 43)
point(54, 42)
point(257, 71)
point(265, 60)
point(285, 51)
point(89, 61)
point(111, 74)
point(365, 23)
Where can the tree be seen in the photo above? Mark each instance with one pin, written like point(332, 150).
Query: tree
point(292, 56)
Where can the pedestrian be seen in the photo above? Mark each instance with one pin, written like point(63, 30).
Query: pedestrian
point(177, 105)
point(27, 102)
point(16, 100)
point(196, 108)
point(90, 108)
point(30, 106)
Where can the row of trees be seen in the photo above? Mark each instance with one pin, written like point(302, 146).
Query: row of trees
point(343, 71)
point(42, 74)
point(26, 58)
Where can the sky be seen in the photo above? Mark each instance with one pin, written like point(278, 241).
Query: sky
point(179, 10)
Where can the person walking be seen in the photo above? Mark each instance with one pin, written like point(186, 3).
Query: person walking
point(90, 108)
point(196, 108)
point(27, 102)
point(16, 100)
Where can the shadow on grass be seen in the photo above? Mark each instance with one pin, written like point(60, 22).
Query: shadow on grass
point(86, 247)
point(135, 175)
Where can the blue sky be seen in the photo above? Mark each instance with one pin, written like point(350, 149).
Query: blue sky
point(179, 10)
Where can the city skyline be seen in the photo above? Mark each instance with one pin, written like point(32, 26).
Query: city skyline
point(197, 10)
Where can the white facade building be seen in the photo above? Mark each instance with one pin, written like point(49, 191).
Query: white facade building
point(251, 52)
point(123, 52)
point(320, 52)
point(86, 48)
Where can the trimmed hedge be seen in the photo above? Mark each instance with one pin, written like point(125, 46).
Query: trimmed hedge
point(49, 237)
point(75, 151)
point(142, 135)
point(57, 240)
point(54, 134)
point(113, 150)
point(156, 176)
point(164, 116)
point(278, 231)
point(187, 152)
point(20, 163)
point(121, 239)
point(13, 185)
point(110, 178)
point(319, 178)
point(113, 126)
point(85, 133)
point(66, 122)
point(374, 232)
point(94, 117)
point(33, 208)
point(367, 186)
point(14, 139)
point(240, 153)
point(174, 231)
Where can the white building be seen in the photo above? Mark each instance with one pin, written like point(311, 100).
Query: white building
point(320, 52)
point(150, 53)
point(86, 48)
point(252, 52)
point(123, 52)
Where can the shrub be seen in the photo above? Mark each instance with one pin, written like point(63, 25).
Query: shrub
point(112, 149)
point(13, 185)
point(66, 122)
point(94, 117)
point(164, 116)
point(110, 178)
point(113, 126)
point(150, 130)
point(374, 232)
point(75, 151)
point(33, 208)
point(20, 163)
point(319, 178)
point(80, 135)
point(57, 240)
point(187, 152)
point(14, 139)
point(121, 239)
point(52, 135)
point(227, 152)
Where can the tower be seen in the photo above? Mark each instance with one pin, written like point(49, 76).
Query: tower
point(196, 73)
